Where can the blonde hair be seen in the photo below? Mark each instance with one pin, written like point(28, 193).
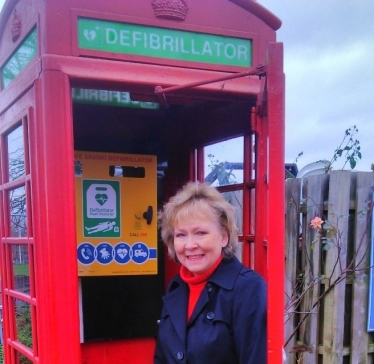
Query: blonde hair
point(198, 200)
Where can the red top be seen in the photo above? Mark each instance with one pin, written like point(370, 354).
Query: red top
point(196, 284)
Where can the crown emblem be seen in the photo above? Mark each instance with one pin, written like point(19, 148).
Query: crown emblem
point(170, 9)
point(16, 26)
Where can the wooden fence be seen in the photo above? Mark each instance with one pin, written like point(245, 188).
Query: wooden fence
point(327, 270)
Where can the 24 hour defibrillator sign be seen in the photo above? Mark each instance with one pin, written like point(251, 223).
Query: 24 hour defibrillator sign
point(115, 202)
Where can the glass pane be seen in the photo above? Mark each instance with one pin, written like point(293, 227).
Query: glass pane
point(18, 213)
point(235, 198)
point(23, 322)
point(224, 162)
point(252, 212)
point(16, 154)
point(239, 252)
point(20, 58)
point(21, 273)
point(253, 157)
point(23, 359)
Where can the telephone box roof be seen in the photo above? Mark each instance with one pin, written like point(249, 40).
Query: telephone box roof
point(251, 6)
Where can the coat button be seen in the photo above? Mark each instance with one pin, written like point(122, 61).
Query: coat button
point(180, 355)
point(210, 315)
point(209, 287)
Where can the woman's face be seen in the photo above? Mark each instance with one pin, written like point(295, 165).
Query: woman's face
point(198, 243)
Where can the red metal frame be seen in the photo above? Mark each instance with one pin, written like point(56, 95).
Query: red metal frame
point(270, 227)
point(10, 292)
point(53, 195)
point(276, 201)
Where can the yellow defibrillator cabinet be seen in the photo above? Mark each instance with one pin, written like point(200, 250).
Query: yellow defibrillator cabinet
point(116, 196)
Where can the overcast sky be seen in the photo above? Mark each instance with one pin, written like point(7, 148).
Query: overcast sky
point(329, 53)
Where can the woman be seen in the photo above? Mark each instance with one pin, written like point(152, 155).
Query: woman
point(215, 310)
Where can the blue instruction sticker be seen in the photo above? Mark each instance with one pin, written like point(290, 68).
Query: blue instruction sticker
point(140, 253)
point(122, 253)
point(104, 253)
point(86, 253)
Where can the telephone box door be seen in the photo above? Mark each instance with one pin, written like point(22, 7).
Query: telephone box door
point(268, 120)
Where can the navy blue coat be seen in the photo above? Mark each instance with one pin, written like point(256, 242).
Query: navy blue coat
point(227, 326)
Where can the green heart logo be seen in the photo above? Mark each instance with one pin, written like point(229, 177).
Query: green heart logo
point(89, 34)
point(101, 198)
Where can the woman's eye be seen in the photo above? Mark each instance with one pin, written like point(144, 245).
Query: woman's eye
point(201, 233)
point(179, 235)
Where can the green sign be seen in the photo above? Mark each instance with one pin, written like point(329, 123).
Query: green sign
point(110, 98)
point(101, 208)
point(20, 58)
point(163, 43)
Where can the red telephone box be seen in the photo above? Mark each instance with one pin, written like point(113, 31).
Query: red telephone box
point(96, 96)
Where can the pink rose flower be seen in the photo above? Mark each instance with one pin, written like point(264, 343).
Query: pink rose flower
point(316, 223)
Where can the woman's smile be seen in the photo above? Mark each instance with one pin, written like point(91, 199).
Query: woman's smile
point(195, 256)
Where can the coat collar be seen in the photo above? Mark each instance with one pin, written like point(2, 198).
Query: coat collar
point(226, 273)
point(176, 299)
point(224, 276)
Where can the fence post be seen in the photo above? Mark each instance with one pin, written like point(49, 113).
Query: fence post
point(336, 260)
point(293, 192)
point(360, 337)
point(314, 195)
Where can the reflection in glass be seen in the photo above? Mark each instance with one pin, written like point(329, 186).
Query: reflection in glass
point(235, 198)
point(18, 214)
point(20, 58)
point(224, 162)
point(16, 154)
point(21, 271)
point(23, 322)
